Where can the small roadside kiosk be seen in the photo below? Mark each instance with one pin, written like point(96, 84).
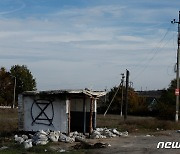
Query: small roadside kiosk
point(62, 110)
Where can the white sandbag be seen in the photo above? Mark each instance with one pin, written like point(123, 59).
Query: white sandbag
point(28, 144)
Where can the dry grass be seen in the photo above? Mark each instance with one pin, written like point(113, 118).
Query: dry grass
point(9, 124)
point(8, 120)
point(135, 123)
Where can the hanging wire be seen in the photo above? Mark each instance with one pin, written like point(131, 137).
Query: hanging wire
point(112, 99)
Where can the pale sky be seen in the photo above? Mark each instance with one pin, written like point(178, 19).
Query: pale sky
point(77, 44)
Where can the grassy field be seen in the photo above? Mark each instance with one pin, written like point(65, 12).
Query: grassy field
point(133, 124)
point(8, 120)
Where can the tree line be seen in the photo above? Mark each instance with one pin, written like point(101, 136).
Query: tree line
point(163, 107)
point(13, 82)
point(19, 79)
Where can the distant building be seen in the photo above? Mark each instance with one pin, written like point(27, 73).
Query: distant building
point(150, 93)
point(62, 110)
point(151, 96)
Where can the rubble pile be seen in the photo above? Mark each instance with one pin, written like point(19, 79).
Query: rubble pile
point(106, 133)
point(77, 135)
point(43, 137)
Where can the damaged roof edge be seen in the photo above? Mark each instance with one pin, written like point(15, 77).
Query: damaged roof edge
point(66, 91)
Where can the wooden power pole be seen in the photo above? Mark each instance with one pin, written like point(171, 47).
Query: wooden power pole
point(126, 95)
point(177, 71)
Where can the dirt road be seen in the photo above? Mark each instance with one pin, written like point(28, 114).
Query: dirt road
point(138, 144)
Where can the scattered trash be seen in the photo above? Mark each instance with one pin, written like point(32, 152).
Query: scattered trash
point(178, 131)
point(3, 148)
point(101, 145)
point(148, 135)
point(124, 133)
point(61, 150)
point(86, 145)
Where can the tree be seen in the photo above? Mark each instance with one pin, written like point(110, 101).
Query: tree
point(167, 105)
point(24, 79)
point(20, 78)
point(6, 87)
point(135, 104)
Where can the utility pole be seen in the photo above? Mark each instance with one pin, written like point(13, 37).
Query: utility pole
point(14, 99)
point(122, 89)
point(126, 96)
point(105, 95)
point(177, 71)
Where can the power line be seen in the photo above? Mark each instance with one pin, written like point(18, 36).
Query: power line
point(112, 99)
point(155, 51)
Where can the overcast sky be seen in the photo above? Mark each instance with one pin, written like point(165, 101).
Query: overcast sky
point(77, 44)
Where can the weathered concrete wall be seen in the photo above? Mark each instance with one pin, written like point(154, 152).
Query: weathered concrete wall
point(20, 113)
point(56, 111)
point(42, 112)
point(77, 105)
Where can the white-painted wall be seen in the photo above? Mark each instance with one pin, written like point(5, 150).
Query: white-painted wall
point(60, 119)
point(60, 108)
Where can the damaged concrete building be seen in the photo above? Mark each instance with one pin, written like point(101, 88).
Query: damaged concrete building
point(62, 110)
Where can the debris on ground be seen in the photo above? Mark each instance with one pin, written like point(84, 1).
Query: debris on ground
point(3, 148)
point(42, 137)
point(178, 131)
point(86, 145)
point(28, 143)
point(148, 135)
point(61, 150)
point(106, 133)
point(77, 135)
